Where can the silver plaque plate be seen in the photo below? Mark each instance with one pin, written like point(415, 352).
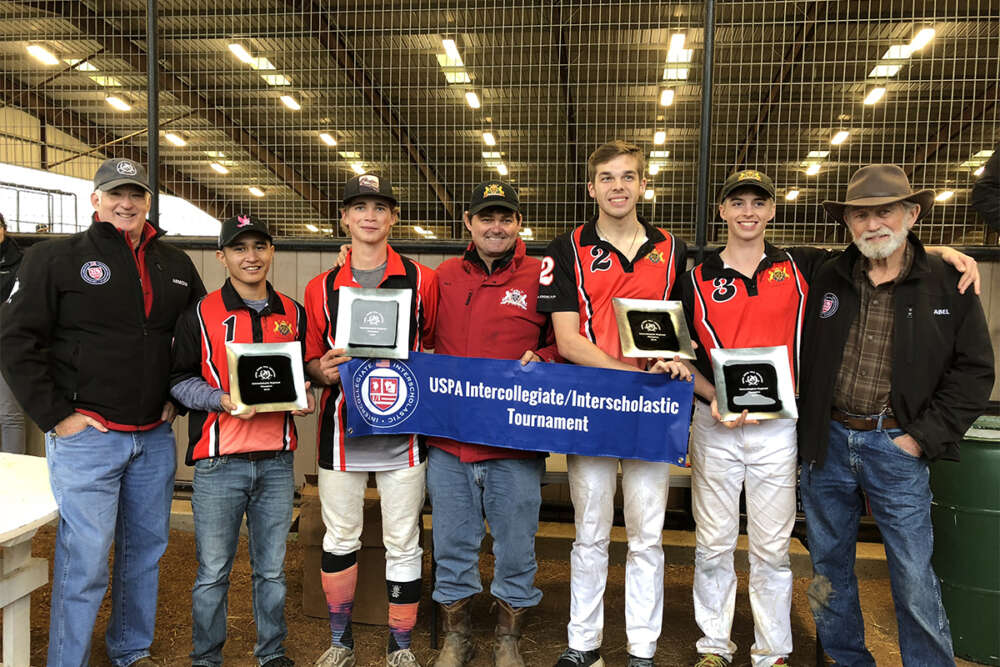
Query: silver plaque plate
point(374, 322)
point(650, 328)
point(756, 379)
point(266, 376)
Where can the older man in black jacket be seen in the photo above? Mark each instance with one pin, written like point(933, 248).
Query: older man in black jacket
point(902, 364)
point(85, 345)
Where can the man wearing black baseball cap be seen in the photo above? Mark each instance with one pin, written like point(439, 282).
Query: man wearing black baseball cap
point(369, 211)
point(487, 309)
point(85, 346)
point(242, 462)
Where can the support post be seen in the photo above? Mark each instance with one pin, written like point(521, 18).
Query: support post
point(705, 137)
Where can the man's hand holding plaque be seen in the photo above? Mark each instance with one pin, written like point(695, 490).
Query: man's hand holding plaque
point(753, 384)
point(266, 377)
point(655, 329)
point(373, 322)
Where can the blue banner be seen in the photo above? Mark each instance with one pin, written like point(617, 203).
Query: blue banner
point(540, 407)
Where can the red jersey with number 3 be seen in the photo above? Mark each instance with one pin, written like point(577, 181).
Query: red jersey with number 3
point(726, 309)
point(583, 273)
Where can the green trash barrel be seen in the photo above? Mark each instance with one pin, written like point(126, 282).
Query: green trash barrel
point(966, 517)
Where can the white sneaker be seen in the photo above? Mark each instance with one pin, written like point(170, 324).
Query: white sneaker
point(402, 658)
point(336, 656)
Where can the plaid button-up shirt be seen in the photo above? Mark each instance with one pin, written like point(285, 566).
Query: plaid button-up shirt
point(865, 375)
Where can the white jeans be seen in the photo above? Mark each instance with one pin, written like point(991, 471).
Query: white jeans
point(592, 484)
point(761, 457)
point(342, 496)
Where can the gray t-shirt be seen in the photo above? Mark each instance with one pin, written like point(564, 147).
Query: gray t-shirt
point(375, 452)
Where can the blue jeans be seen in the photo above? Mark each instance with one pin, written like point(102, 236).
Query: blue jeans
point(898, 490)
point(115, 485)
point(226, 488)
point(508, 493)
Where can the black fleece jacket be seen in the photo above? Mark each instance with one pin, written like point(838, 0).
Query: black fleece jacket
point(942, 355)
point(75, 335)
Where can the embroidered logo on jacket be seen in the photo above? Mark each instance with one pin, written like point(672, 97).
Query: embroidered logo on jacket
point(515, 297)
point(777, 274)
point(655, 256)
point(942, 311)
point(830, 305)
point(95, 273)
point(282, 327)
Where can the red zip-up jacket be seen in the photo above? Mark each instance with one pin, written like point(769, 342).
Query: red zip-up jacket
point(490, 315)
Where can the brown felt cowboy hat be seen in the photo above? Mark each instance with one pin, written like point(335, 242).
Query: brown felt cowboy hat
point(879, 184)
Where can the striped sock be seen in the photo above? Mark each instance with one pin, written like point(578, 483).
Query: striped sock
point(404, 597)
point(340, 580)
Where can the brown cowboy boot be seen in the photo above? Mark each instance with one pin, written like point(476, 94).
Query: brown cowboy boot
point(458, 647)
point(508, 632)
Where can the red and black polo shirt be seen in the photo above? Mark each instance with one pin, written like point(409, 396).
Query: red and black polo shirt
point(726, 309)
point(200, 351)
point(322, 300)
point(583, 273)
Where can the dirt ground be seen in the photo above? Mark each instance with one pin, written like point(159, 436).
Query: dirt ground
point(545, 634)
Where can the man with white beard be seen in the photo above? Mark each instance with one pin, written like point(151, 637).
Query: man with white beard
point(902, 365)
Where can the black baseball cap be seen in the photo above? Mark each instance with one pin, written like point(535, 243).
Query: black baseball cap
point(489, 194)
point(241, 224)
point(369, 185)
point(120, 171)
point(748, 178)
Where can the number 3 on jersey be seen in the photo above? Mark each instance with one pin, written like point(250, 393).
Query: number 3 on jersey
point(545, 277)
point(725, 289)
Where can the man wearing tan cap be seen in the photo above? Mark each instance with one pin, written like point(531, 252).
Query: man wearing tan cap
point(901, 365)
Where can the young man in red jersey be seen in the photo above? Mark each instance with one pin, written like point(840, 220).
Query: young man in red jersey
point(242, 463)
point(615, 254)
point(369, 211)
point(746, 294)
point(487, 309)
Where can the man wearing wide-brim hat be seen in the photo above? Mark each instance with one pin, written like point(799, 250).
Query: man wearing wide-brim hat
point(902, 365)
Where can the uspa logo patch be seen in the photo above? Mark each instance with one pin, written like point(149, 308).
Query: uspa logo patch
point(830, 305)
point(126, 168)
point(385, 392)
point(95, 273)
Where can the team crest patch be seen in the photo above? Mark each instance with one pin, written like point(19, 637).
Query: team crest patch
point(777, 275)
point(493, 190)
point(385, 392)
point(126, 168)
point(830, 305)
point(283, 328)
point(655, 256)
point(95, 273)
point(515, 297)
point(368, 181)
point(750, 175)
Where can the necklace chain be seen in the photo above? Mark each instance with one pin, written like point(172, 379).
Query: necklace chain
point(628, 250)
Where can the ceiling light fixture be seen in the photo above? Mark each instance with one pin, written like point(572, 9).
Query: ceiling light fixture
point(42, 54)
point(667, 97)
point(451, 49)
point(840, 137)
point(311, 227)
point(979, 172)
point(290, 102)
point(654, 169)
point(118, 103)
point(945, 195)
point(472, 100)
point(660, 138)
point(874, 95)
point(327, 139)
point(218, 168)
point(241, 54)
point(175, 139)
point(255, 191)
point(813, 169)
point(358, 168)
point(489, 139)
point(648, 194)
point(502, 169)
point(792, 195)
point(921, 39)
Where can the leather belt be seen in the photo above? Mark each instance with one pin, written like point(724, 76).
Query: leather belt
point(863, 423)
point(255, 456)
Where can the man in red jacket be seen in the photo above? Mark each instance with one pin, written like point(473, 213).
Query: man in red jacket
point(487, 309)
